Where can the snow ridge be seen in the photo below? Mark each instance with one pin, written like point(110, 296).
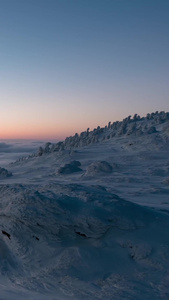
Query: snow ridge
point(136, 126)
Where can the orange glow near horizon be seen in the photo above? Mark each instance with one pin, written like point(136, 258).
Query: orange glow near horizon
point(27, 125)
point(59, 80)
point(54, 124)
point(24, 133)
point(38, 132)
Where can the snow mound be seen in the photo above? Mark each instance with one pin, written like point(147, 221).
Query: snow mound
point(99, 168)
point(4, 173)
point(72, 167)
point(55, 237)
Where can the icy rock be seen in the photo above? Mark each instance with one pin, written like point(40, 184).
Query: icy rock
point(99, 167)
point(47, 148)
point(57, 147)
point(72, 167)
point(40, 151)
point(4, 173)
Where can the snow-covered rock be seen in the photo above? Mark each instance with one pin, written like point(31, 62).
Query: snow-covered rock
point(99, 167)
point(72, 167)
point(4, 173)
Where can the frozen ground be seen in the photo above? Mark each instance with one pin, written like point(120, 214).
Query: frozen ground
point(89, 220)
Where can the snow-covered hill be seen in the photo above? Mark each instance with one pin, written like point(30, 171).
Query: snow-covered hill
point(88, 218)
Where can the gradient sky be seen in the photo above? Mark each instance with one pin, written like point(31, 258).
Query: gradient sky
point(66, 65)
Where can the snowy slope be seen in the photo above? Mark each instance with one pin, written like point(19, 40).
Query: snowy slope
point(84, 220)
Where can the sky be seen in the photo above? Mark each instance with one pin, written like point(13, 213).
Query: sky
point(66, 65)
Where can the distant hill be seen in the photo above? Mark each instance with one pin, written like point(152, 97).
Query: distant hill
point(136, 126)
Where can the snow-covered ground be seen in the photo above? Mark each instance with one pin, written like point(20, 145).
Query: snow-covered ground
point(88, 218)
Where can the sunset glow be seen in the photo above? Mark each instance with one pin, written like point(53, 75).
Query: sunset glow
point(70, 65)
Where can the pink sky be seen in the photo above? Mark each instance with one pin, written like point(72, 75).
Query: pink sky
point(70, 65)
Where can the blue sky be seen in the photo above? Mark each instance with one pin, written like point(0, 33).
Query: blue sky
point(69, 65)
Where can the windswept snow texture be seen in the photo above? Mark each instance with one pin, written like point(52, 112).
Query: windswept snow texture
point(89, 220)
